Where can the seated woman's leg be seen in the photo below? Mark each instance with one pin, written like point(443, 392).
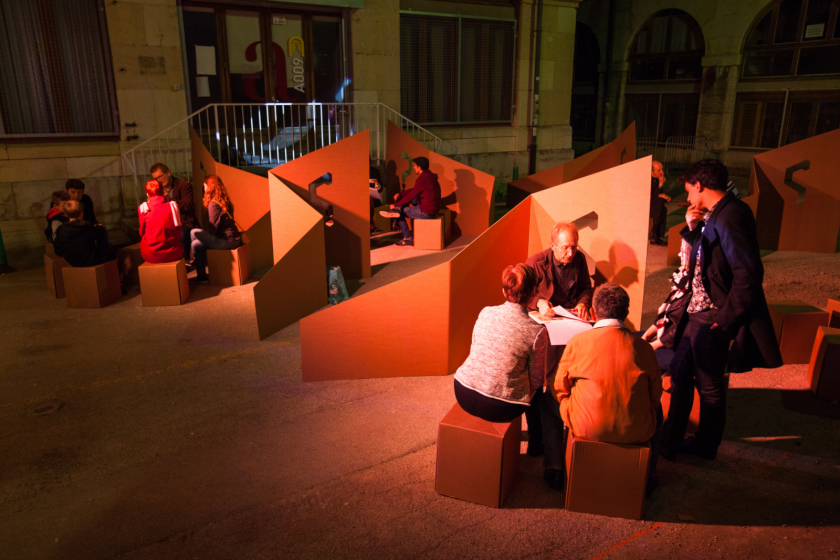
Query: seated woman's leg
point(486, 408)
point(199, 249)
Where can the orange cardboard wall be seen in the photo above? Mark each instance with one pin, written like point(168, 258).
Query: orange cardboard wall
point(348, 241)
point(467, 192)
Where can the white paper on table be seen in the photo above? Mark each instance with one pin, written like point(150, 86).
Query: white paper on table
point(202, 86)
point(205, 60)
point(560, 332)
point(563, 312)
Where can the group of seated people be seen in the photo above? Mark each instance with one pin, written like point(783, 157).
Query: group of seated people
point(602, 395)
point(168, 223)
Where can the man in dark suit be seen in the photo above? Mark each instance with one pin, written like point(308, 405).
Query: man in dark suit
point(658, 212)
point(727, 307)
point(180, 191)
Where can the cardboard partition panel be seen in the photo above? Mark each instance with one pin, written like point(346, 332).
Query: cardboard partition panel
point(606, 478)
point(229, 268)
point(824, 367)
point(798, 195)
point(164, 283)
point(348, 241)
point(610, 209)
point(796, 324)
point(620, 151)
point(129, 260)
point(833, 311)
point(452, 294)
point(203, 164)
point(467, 192)
point(55, 280)
point(297, 284)
point(92, 286)
point(477, 461)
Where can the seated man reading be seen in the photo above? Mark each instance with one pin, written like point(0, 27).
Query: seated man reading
point(82, 243)
point(424, 195)
point(608, 383)
point(562, 275)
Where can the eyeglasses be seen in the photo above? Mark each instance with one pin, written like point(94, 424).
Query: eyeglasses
point(161, 176)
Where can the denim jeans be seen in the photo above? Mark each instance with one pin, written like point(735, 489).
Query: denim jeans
point(204, 240)
point(699, 361)
point(412, 212)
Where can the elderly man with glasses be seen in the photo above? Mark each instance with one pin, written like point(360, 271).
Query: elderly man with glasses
point(181, 192)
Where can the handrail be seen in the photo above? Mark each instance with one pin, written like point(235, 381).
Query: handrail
point(268, 134)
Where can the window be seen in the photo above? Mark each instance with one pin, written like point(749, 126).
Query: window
point(456, 70)
point(585, 84)
point(55, 70)
point(794, 38)
point(759, 117)
point(663, 116)
point(670, 47)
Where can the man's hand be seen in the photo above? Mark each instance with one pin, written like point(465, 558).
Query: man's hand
point(582, 311)
point(650, 334)
point(545, 308)
point(392, 207)
point(396, 196)
point(693, 217)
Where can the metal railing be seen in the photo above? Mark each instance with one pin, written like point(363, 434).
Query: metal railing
point(675, 152)
point(265, 135)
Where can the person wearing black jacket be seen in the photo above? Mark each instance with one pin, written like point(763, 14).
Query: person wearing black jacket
point(727, 307)
point(181, 192)
point(76, 189)
point(658, 212)
point(80, 242)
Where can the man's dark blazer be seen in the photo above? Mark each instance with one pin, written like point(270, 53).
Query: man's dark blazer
point(182, 193)
point(579, 291)
point(733, 276)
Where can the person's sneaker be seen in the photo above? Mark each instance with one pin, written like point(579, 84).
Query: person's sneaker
point(691, 446)
point(404, 242)
point(393, 213)
point(556, 479)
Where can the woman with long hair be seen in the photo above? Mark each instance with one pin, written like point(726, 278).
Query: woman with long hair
point(222, 232)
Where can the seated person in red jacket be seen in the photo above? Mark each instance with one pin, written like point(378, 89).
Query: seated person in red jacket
point(424, 195)
point(56, 217)
point(80, 242)
point(562, 275)
point(76, 189)
point(160, 227)
point(223, 233)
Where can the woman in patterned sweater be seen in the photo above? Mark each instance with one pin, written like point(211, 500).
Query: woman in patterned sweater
point(494, 382)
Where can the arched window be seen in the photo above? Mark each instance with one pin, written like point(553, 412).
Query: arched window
point(794, 38)
point(585, 84)
point(670, 47)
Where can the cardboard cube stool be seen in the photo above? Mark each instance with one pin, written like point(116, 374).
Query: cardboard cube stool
point(431, 235)
point(53, 265)
point(824, 367)
point(477, 461)
point(164, 283)
point(796, 324)
point(50, 250)
point(833, 311)
point(129, 260)
point(606, 478)
point(229, 268)
point(92, 286)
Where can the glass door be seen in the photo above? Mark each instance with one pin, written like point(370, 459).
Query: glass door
point(247, 76)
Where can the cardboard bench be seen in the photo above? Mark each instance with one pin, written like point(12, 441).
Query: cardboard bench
point(431, 235)
point(606, 478)
point(824, 367)
point(55, 280)
point(92, 286)
point(796, 324)
point(229, 268)
point(164, 283)
point(129, 260)
point(477, 461)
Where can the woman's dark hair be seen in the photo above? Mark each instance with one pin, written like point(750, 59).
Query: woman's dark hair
point(74, 184)
point(421, 162)
point(711, 173)
point(519, 282)
point(610, 301)
point(59, 198)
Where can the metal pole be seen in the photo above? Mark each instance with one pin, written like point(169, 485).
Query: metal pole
point(458, 77)
point(218, 141)
point(784, 114)
point(378, 157)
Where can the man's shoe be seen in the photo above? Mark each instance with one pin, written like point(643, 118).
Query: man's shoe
point(667, 453)
point(404, 242)
point(200, 280)
point(662, 242)
point(394, 213)
point(535, 449)
point(691, 446)
point(556, 479)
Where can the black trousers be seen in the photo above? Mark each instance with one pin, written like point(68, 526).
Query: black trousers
point(659, 215)
point(494, 410)
point(699, 361)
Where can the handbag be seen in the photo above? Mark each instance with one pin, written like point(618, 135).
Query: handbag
point(244, 236)
point(669, 321)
